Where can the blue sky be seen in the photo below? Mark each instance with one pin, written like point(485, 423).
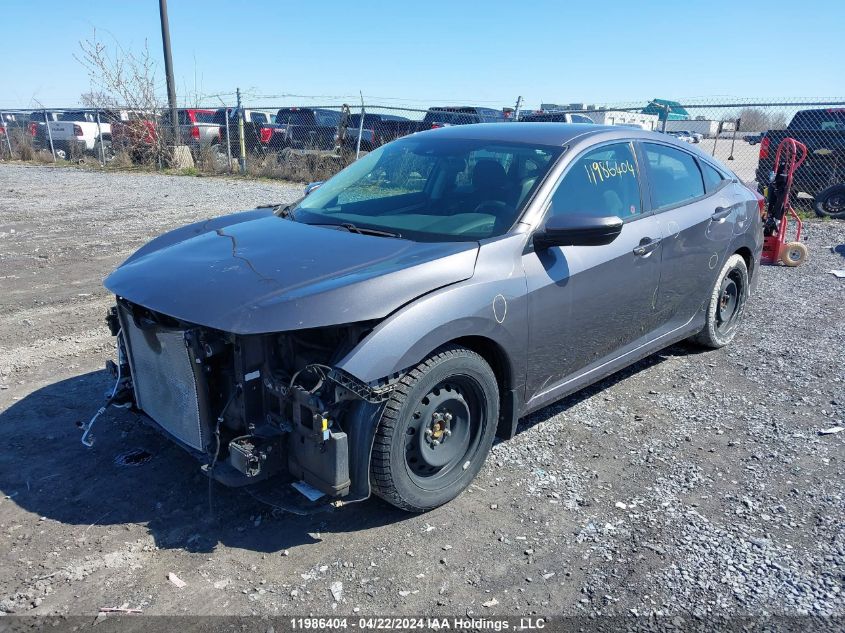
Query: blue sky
point(435, 52)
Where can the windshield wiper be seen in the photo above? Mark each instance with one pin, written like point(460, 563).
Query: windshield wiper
point(280, 209)
point(361, 230)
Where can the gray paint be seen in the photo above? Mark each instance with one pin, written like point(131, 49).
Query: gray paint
point(561, 317)
point(257, 273)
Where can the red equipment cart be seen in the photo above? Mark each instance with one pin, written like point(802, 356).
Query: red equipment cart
point(788, 158)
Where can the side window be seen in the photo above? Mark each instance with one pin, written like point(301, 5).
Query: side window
point(674, 176)
point(712, 178)
point(602, 182)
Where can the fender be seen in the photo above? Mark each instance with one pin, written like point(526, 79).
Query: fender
point(491, 304)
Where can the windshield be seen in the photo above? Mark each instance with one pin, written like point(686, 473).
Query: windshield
point(433, 189)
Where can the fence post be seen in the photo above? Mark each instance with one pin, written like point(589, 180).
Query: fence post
point(361, 129)
point(5, 125)
point(241, 139)
point(716, 139)
point(228, 139)
point(100, 137)
point(733, 139)
point(49, 136)
point(665, 118)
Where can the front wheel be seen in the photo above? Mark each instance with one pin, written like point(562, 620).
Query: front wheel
point(726, 305)
point(436, 430)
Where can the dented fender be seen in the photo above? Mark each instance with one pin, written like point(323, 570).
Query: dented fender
point(491, 305)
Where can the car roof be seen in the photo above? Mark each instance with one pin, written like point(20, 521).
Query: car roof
point(560, 134)
point(540, 133)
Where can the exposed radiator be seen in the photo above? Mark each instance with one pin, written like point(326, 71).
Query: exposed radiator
point(163, 378)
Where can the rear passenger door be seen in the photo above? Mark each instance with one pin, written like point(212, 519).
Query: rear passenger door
point(697, 207)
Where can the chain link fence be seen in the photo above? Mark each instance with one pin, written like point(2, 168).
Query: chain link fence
point(307, 143)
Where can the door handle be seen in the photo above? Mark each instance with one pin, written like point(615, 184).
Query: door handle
point(646, 247)
point(721, 213)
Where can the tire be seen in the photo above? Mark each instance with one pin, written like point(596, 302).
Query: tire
point(794, 254)
point(726, 305)
point(436, 430)
point(830, 203)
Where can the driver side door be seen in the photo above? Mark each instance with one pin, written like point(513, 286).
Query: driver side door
point(588, 303)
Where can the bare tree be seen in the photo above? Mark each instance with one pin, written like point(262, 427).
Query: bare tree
point(124, 79)
point(753, 120)
point(778, 120)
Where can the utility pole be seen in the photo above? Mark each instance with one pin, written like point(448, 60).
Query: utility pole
point(168, 70)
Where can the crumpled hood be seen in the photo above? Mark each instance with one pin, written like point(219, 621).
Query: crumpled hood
point(254, 272)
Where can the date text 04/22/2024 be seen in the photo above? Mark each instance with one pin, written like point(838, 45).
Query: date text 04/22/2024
point(419, 623)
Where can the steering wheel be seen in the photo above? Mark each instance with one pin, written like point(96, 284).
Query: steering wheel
point(495, 208)
point(490, 207)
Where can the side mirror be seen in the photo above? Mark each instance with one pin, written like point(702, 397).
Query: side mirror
point(578, 230)
point(312, 186)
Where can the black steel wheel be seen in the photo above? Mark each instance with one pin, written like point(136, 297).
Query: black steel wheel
point(726, 305)
point(830, 203)
point(436, 430)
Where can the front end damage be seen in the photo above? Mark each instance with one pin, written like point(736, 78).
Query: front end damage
point(255, 406)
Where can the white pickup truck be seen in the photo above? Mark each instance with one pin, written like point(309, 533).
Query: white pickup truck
point(78, 131)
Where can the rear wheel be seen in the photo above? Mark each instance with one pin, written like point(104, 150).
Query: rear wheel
point(436, 430)
point(726, 305)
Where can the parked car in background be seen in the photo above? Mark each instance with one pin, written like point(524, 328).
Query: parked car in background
point(198, 128)
point(695, 137)
point(459, 115)
point(303, 128)
point(753, 139)
point(377, 130)
point(137, 135)
point(10, 121)
point(81, 131)
point(379, 333)
point(823, 132)
point(681, 136)
point(255, 141)
point(38, 120)
point(555, 117)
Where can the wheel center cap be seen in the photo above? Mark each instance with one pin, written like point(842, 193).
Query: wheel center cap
point(439, 428)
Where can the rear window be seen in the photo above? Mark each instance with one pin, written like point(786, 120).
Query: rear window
point(327, 118)
point(295, 117)
point(818, 120)
point(450, 118)
point(205, 117)
point(75, 116)
point(219, 116)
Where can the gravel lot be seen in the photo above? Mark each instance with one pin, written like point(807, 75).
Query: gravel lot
point(692, 483)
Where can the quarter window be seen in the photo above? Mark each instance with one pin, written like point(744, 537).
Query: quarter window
point(712, 178)
point(602, 182)
point(674, 175)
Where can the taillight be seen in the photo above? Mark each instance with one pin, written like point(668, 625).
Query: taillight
point(3, 130)
point(195, 133)
point(77, 130)
point(266, 133)
point(764, 147)
point(33, 129)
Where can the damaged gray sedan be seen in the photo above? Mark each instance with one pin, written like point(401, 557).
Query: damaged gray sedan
point(377, 335)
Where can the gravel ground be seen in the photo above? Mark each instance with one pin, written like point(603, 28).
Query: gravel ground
point(691, 483)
